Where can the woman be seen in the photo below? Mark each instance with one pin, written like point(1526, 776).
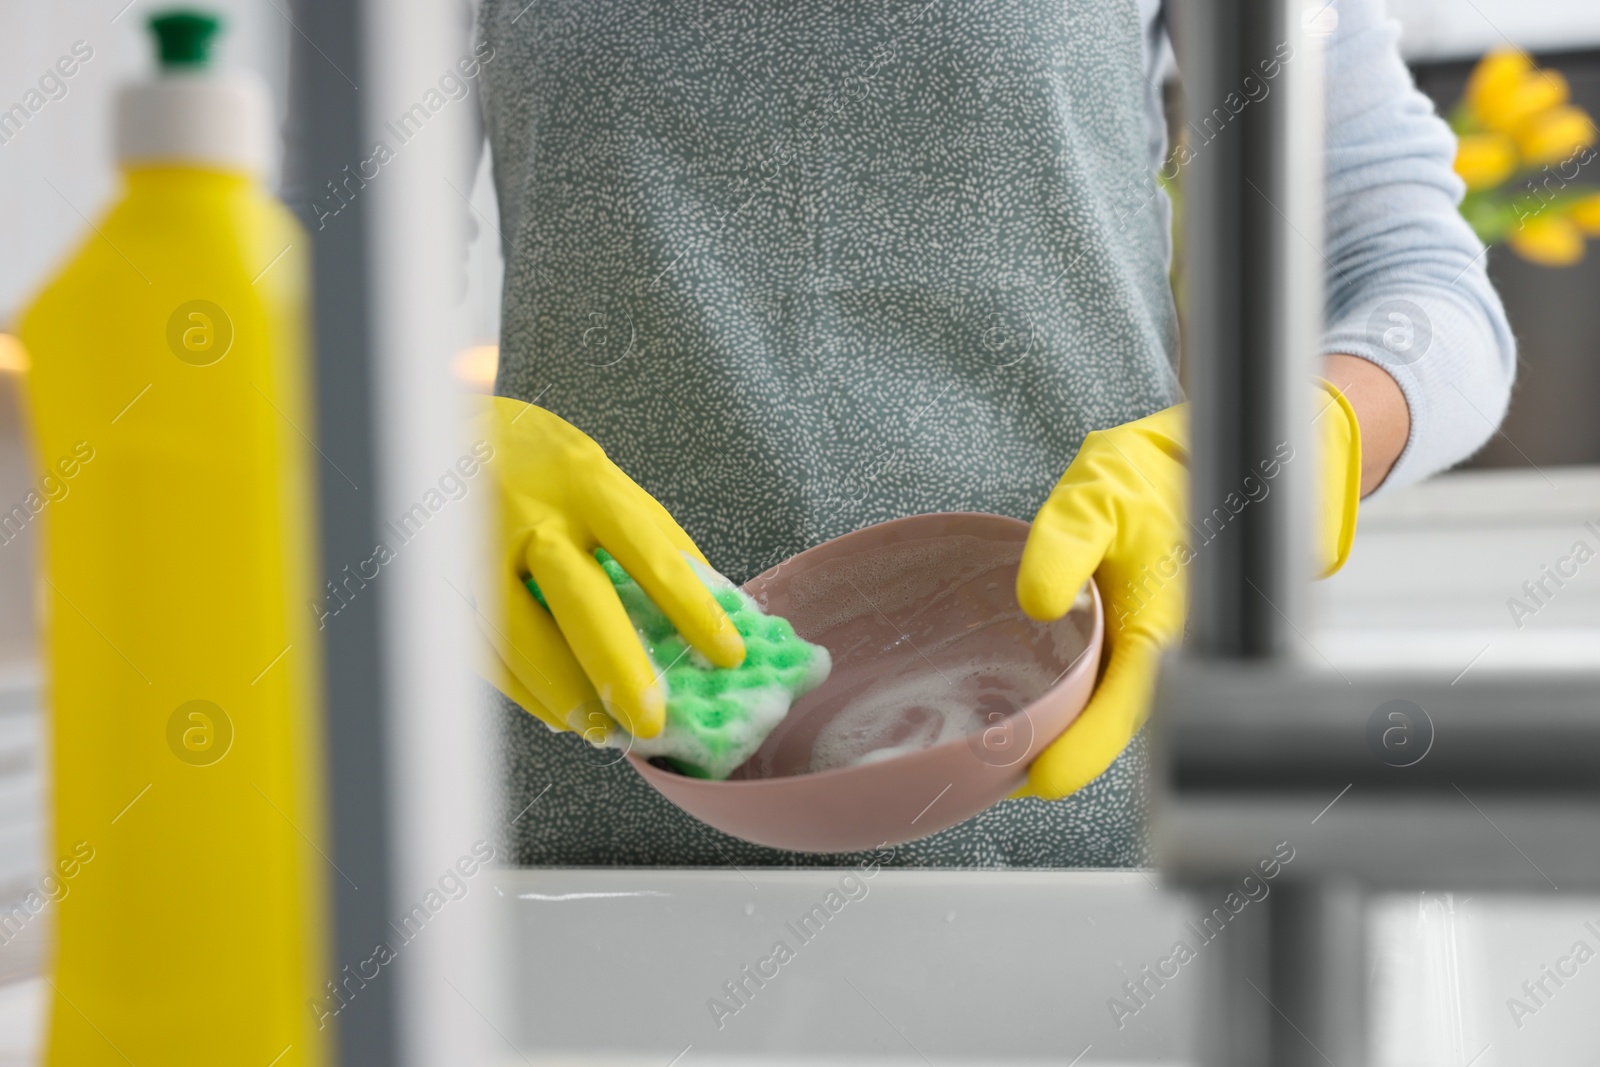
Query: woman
point(799, 266)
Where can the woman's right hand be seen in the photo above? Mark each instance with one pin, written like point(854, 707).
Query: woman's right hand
point(557, 499)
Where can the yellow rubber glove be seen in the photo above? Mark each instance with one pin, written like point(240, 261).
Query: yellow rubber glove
point(559, 498)
point(1119, 513)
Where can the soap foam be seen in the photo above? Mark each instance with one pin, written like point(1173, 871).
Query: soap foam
point(935, 691)
point(923, 708)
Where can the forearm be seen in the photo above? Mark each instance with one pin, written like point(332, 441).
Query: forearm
point(1407, 290)
point(1381, 411)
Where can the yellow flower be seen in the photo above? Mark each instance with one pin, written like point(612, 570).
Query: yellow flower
point(1496, 73)
point(1585, 214)
point(1550, 241)
point(1555, 135)
point(1484, 160)
point(1507, 108)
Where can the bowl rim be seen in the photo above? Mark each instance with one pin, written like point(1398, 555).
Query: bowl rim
point(1095, 640)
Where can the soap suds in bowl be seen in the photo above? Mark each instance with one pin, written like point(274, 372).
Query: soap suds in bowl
point(928, 647)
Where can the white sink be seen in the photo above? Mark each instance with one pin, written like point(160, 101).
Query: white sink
point(626, 966)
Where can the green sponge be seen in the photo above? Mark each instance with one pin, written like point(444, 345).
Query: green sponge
point(716, 717)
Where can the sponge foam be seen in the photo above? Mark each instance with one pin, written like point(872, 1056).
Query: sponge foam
point(716, 717)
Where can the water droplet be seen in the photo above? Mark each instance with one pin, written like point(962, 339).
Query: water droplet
point(749, 909)
point(950, 917)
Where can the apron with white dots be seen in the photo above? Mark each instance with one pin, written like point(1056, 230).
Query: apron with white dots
point(801, 266)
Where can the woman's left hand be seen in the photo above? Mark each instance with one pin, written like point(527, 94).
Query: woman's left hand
point(1119, 513)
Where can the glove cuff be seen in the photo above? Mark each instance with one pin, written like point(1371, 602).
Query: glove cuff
point(1340, 494)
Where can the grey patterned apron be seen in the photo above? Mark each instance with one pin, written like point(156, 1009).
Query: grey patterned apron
point(800, 266)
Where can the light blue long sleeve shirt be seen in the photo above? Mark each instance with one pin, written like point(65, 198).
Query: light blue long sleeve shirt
point(1407, 286)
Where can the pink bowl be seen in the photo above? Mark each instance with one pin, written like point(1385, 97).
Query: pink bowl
point(942, 691)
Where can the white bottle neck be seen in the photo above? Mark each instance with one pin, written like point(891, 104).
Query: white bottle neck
point(201, 119)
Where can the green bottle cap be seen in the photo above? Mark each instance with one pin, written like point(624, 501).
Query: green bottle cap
point(184, 38)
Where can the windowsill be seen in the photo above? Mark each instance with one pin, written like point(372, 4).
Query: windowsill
point(1434, 566)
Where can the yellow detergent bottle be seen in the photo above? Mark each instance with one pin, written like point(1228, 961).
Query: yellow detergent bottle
point(169, 392)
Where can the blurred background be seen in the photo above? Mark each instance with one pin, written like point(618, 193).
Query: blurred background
point(1491, 525)
point(1553, 310)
